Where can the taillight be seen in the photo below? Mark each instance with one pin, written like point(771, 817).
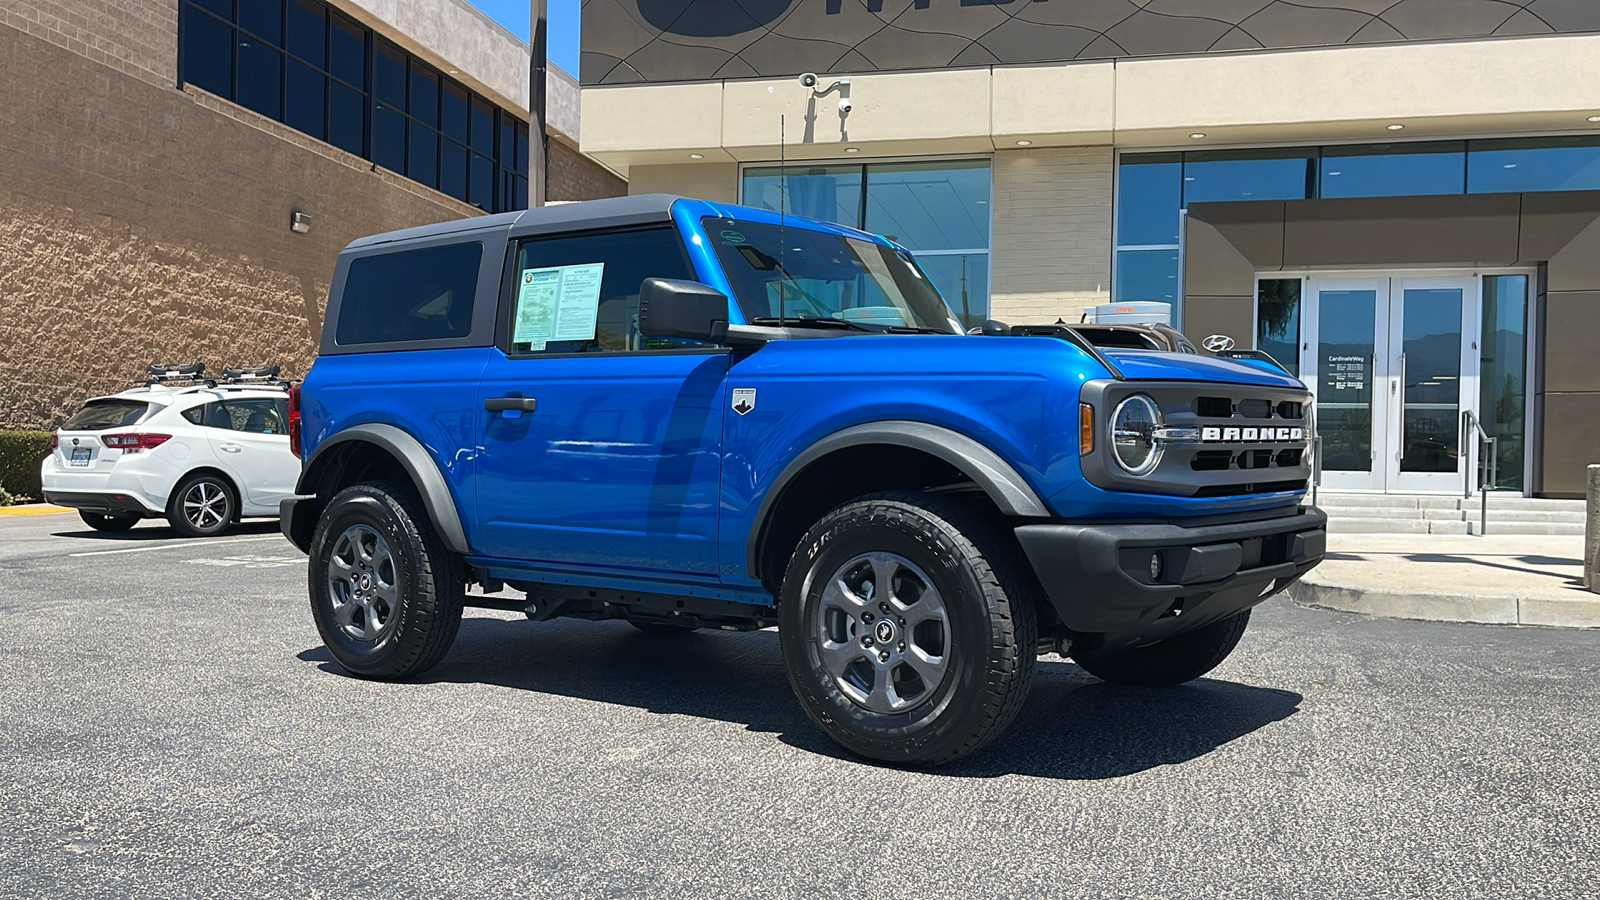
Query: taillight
point(294, 420)
point(55, 440)
point(135, 441)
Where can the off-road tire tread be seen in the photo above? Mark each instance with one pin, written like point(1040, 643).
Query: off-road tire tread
point(1010, 595)
point(1145, 667)
point(438, 613)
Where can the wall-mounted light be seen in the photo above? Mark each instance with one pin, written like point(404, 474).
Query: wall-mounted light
point(1197, 135)
point(299, 222)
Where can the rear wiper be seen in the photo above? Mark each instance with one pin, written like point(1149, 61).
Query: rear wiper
point(815, 322)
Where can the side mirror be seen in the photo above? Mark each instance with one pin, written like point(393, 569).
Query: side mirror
point(670, 307)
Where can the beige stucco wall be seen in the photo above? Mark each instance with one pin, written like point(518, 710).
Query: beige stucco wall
point(1051, 239)
point(707, 181)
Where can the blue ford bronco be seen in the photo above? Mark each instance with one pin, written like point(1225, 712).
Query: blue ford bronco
point(691, 415)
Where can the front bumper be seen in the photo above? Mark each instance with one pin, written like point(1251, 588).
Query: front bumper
point(1098, 575)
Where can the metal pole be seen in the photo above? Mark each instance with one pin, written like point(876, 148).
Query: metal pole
point(536, 104)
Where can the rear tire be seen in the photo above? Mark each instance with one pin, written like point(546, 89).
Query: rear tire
point(112, 523)
point(1172, 661)
point(202, 505)
point(908, 628)
point(386, 593)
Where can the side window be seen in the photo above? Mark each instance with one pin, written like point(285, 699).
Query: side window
point(254, 416)
point(580, 294)
point(196, 414)
point(413, 295)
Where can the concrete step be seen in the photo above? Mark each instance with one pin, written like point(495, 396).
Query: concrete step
point(1525, 528)
point(1497, 514)
point(1343, 500)
point(1531, 504)
point(1395, 526)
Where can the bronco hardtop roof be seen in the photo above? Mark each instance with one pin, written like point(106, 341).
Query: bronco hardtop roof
point(613, 211)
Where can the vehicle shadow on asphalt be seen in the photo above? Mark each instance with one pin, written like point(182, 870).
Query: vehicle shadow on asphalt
point(1072, 726)
point(159, 530)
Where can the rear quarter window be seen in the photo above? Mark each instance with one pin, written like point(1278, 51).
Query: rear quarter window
point(98, 415)
point(414, 295)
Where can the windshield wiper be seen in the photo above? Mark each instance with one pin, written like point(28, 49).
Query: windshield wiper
point(815, 322)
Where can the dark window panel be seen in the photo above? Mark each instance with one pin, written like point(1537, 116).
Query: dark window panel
point(1278, 320)
point(1149, 195)
point(1146, 275)
point(482, 127)
point(412, 295)
point(508, 140)
point(424, 95)
point(223, 8)
point(1247, 175)
point(346, 118)
point(453, 112)
point(423, 162)
point(521, 160)
point(208, 53)
point(308, 31)
point(1394, 170)
point(263, 18)
point(1550, 164)
point(304, 106)
point(522, 193)
point(388, 138)
point(453, 169)
point(480, 190)
point(389, 75)
point(348, 61)
point(260, 77)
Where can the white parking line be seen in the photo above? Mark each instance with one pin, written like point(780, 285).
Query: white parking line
point(168, 546)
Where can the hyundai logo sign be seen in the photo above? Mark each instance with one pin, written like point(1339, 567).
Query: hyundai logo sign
point(1217, 343)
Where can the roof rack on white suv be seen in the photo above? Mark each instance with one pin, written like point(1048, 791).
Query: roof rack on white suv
point(192, 376)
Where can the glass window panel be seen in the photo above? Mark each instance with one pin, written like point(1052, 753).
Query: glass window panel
point(521, 160)
point(389, 75)
point(453, 169)
point(304, 105)
point(347, 42)
point(963, 282)
point(208, 54)
point(830, 193)
point(481, 184)
point(263, 18)
point(1432, 389)
point(508, 140)
point(930, 206)
point(1147, 275)
point(453, 112)
point(388, 138)
point(522, 193)
point(1149, 195)
point(1278, 320)
point(1554, 164)
point(308, 27)
point(1346, 332)
point(1247, 175)
point(223, 8)
point(346, 118)
point(260, 77)
point(1503, 406)
point(424, 96)
point(628, 258)
point(423, 162)
point(412, 295)
point(1394, 170)
point(482, 127)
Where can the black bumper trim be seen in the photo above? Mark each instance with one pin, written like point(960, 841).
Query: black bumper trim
point(111, 502)
point(1098, 578)
point(297, 519)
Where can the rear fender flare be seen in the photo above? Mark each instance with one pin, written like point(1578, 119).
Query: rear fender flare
point(417, 462)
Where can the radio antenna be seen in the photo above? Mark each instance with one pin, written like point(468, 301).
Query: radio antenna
point(783, 205)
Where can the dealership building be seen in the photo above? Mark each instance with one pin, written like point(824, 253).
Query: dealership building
point(1400, 201)
point(178, 176)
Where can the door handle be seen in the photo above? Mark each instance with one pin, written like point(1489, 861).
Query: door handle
point(231, 448)
point(502, 404)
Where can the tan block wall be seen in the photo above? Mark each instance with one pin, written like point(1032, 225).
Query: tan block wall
point(1051, 238)
point(135, 37)
point(569, 175)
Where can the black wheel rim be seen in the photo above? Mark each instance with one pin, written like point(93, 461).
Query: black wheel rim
point(363, 584)
point(883, 633)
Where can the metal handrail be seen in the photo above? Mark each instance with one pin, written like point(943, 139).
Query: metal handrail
point(1491, 471)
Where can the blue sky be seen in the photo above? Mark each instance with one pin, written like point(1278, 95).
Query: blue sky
point(563, 33)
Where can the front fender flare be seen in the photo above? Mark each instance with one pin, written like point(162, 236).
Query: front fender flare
point(418, 464)
point(1010, 492)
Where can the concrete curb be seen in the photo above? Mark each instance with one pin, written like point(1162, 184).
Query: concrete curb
point(1581, 610)
point(33, 509)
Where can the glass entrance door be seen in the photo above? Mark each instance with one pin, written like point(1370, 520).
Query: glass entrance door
point(1391, 361)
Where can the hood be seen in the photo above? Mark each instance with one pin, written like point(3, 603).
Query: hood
point(1155, 365)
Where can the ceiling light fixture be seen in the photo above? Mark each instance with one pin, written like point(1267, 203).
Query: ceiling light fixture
point(1594, 118)
point(1395, 127)
point(1197, 135)
point(852, 149)
point(697, 156)
point(1024, 143)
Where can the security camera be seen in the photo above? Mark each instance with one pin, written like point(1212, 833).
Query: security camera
point(845, 106)
point(808, 80)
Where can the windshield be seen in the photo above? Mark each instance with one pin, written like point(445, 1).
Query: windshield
point(812, 275)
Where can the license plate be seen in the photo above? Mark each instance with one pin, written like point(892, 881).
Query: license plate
point(80, 456)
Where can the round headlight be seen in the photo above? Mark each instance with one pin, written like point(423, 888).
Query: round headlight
point(1133, 434)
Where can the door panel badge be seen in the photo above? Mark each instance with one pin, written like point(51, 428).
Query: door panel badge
point(744, 400)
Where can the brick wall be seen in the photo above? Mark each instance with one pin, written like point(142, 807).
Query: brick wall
point(573, 176)
point(135, 37)
point(1052, 233)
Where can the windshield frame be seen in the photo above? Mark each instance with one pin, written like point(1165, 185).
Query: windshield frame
point(908, 300)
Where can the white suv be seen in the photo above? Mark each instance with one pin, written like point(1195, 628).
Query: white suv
point(202, 455)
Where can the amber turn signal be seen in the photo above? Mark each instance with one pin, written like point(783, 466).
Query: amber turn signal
point(1085, 429)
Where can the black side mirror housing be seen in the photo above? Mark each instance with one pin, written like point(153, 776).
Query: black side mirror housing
point(671, 307)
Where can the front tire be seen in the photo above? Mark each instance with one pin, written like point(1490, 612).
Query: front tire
point(202, 505)
point(386, 593)
point(111, 524)
point(908, 628)
point(1175, 660)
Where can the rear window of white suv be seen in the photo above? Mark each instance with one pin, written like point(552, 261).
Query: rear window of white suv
point(98, 415)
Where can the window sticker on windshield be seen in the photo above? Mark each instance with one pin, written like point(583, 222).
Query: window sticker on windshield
point(733, 237)
point(557, 304)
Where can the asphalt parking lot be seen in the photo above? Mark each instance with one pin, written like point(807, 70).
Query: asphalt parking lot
point(172, 727)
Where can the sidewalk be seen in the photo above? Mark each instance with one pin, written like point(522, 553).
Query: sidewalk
point(1509, 580)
